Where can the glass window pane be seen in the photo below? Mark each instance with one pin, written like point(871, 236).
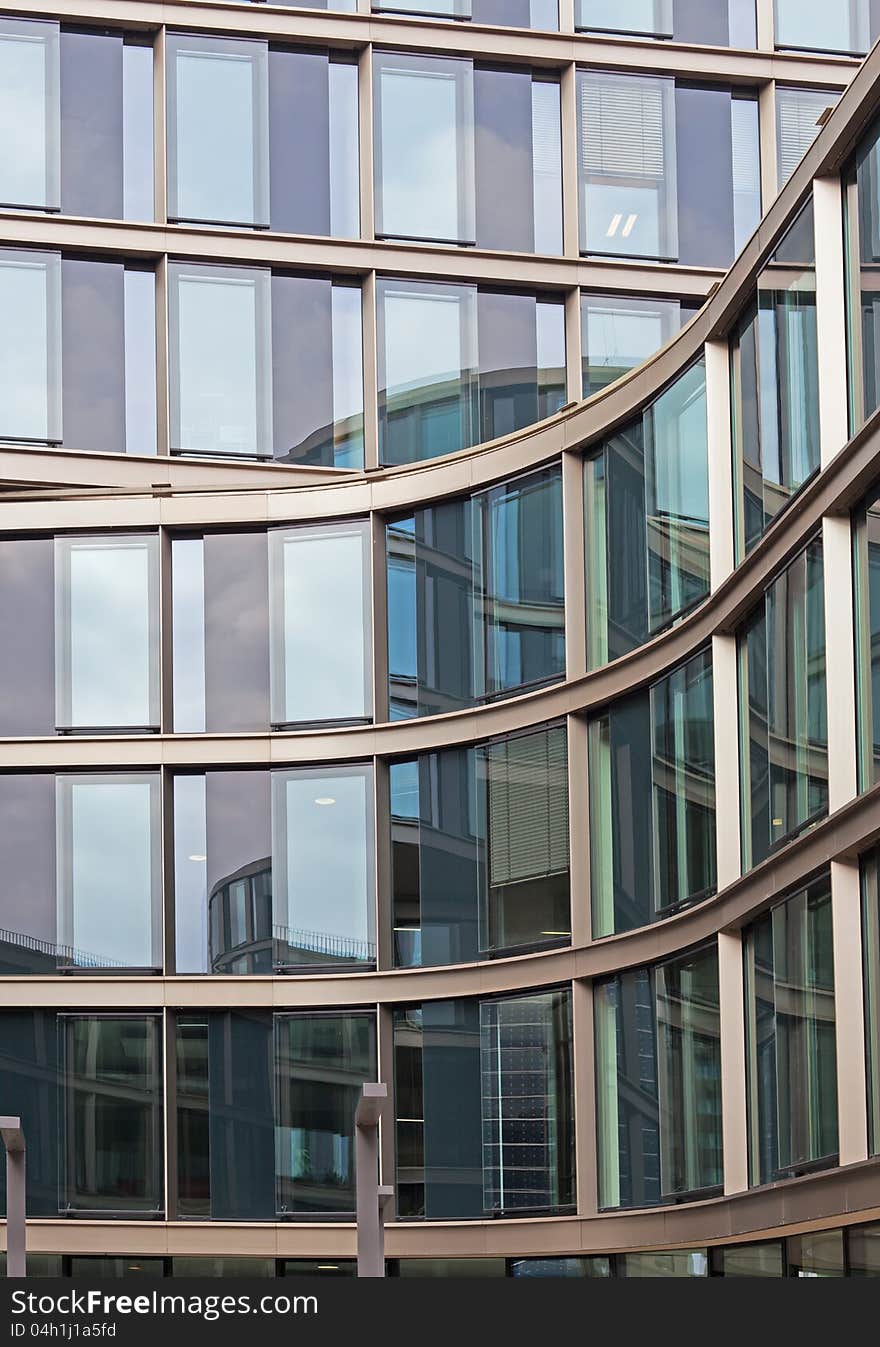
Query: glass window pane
point(30, 348)
point(619, 333)
point(719, 200)
point(746, 153)
point(753, 1260)
point(790, 1024)
point(321, 1061)
point(112, 1099)
point(650, 17)
point(322, 849)
point(134, 1266)
point(137, 131)
point(106, 632)
point(188, 633)
point(776, 383)
point(140, 360)
point(218, 130)
point(109, 862)
point(319, 616)
point(817, 1255)
point(681, 1263)
point(627, 165)
point(547, 165)
point(29, 1074)
point(797, 124)
point(28, 905)
point(345, 208)
point(427, 389)
point(863, 1251)
point(424, 116)
point(863, 260)
point(220, 337)
point(30, 132)
point(27, 636)
point(812, 26)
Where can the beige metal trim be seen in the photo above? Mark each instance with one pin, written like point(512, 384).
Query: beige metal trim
point(849, 1010)
point(733, 1063)
point(767, 124)
point(585, 1099)
point(831, 317)
point(722, 508)
point(725, 692)
point(840, 664)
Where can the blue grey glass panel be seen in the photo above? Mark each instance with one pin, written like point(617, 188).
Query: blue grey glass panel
point(30, 348)
point(107, 632)
point(188, 634)
point(240, 1116)
point(317, 360)
point(27, 626)
point(518, 159)
point(464, 1071)
point(812, 26)
point(137, 131)
point(139, 288)
point(218, 130)
point(109, 866)
point(320, 624)
point(517, 13)
point(221, 373)
point(30, 171)
point(111, 1157)
point(627, 142)
point(724, 23)
point(322, 849)
point(28, 915)
point(190, 875)
point(619, 333)
point(719, 196)
point(322, 1062)
point(427, 388)
point(649, 18)
point(424, 147)
point(236, 631)
point(238, 873)
point(29, 1075)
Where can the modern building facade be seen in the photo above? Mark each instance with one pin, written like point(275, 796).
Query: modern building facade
point(440, 633)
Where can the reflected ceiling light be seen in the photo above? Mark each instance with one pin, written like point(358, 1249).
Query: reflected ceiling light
point(614, 225)
point(777, 823)
point(325, 799)
point(328, 1267)
point(629, 226)
point(196, 858)
point(556, 932)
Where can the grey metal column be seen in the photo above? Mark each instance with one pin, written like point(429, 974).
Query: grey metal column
point(371, 1197)
point(13, 1140)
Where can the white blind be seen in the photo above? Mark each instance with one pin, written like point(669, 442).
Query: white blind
point(745, 146)
point(622, 133)
point(528, 806)
point(798, 111)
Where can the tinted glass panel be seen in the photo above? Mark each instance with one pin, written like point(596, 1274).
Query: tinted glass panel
point(30, 348)
point(863, 260)
point(720, 22)
point(30, 174)
point(112, 1152)
point(29, 1075)
point(790, 1036)
point(807, 24)
point(797, 124)
point(322, 1061)
point(618, 333)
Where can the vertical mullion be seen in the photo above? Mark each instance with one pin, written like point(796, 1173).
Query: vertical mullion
point(160, 191)
point(371, 375)
point(568, 105)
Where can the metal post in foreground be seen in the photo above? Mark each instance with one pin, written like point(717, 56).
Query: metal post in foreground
point(371, 1198)
point(13, 1140)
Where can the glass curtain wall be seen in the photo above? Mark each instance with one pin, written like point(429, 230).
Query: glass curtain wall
point(775, 366)
point(480, 849)
point(86, 99)
point(647, 521)
point(798, 113)
point(808, 25)
point(485, 1120)
point(862, 184)
point(507, 13)
point(790, 1036)
point(467, 154)
point(658, 1082)
point(265, 1111)
point(274, 871)
point(652, 801)
point(459, 366)
point(646, 144)
point(783, 710)
point(476, 597)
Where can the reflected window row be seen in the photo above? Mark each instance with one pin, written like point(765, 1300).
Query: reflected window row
point(851, 1252)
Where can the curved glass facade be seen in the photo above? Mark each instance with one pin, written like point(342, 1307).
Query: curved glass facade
point(437, 636)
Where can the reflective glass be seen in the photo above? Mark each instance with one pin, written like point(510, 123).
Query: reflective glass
point(647, 521)
point(112, 1114)
point(483, 1092)
point(658, 1082)
point(424, 145)
point(30, 173)
point(790, 1036)
point(681, 1263)
point(222, 1267)
point(776, 384)
point(619, 333)
point(863, 282)
point(320, 624)
point(108, 857)
point(817, 1255)
point(30, 348)
point(725, 23)
point(783, 713)
point(106, 632)
point(218, 130)
point(480, 849)
point(812, 26)
point(652, 758)
point(863, 1251)
point(29, 1074)
point(751, 1260)
point(220, 365)
point(322, 848)
point(322, 1061)
point(870, 881)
